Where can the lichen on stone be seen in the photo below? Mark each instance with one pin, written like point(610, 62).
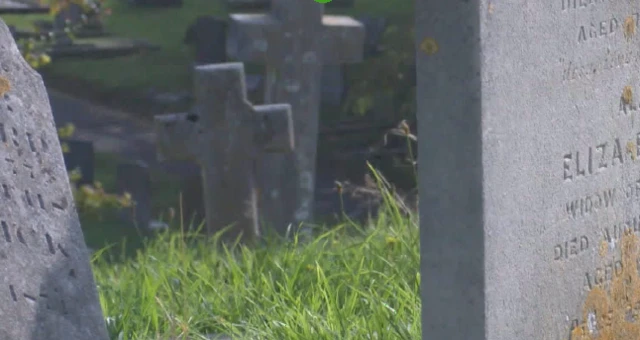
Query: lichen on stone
point(5, 85)
point(612, 312)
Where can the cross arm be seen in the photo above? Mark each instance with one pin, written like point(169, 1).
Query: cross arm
point(248, 36)
point(274, 131)
point(176, 136)
point(343, 39)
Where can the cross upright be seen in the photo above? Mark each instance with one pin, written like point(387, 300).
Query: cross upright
point(224, 134)
point(294, 40)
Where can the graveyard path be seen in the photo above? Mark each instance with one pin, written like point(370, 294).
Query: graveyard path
point(131, 139)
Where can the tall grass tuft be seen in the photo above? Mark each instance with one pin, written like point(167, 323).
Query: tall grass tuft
point(351, 282)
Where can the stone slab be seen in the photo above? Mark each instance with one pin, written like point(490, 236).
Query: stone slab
point(528, 127)
point(47, 289)
point(21, 7)
point(225, 134)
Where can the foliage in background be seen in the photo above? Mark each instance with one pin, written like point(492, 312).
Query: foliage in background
point(31, 50)
point(392, 86)
point(94, 12)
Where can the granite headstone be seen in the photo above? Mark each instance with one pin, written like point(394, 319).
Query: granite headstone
point(47, 289)
point(530, 187)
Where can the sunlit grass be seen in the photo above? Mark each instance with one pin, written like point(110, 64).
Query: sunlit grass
point(351, 282)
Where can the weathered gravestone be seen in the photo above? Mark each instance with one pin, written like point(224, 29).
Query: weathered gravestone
point(72, 16)
point(294, 41)
point(134, 178)
point(225, 134)
point(80, 156)
point(69, 16)
point(207, 35)
point(333, 85)
point(258, 4)
point(192, 210)
point(47, 290)
point(529, 197)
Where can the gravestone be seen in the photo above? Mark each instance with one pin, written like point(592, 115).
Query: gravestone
point(22, 7)
point(207, 35)
point(193, 209)
point(69, 16)
point(80, 155)
point(48, 289)
point(157, 3)
point(135, 179)
point(72, 16)
point(261, 4)
point(529, 202)
point(225, 134)
point(333, 85)
point(294, 41)
point(374, 28)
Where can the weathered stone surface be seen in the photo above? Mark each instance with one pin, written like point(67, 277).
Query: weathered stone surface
point(529, 146)
point(225, 134)
point(46, 284)
point(294, 41)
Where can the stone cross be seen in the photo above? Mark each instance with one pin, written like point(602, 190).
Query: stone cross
point(225, 134)
point(47, 289)
point(294, 40)
point(529, 203)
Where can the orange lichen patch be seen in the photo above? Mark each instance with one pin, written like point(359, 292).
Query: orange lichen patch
point(613, 312)
point(604, 246)
point(627, 95)
point(629, 27)
point(5, 85)
point(429, 46)
point(632, 150)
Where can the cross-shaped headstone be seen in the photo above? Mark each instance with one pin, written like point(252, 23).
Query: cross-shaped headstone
point(224, 134)
point(294, 40)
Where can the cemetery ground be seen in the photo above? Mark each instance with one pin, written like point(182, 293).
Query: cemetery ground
point(353, 281)
point(123, 82)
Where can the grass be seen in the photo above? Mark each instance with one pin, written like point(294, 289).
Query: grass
point(348, 283)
